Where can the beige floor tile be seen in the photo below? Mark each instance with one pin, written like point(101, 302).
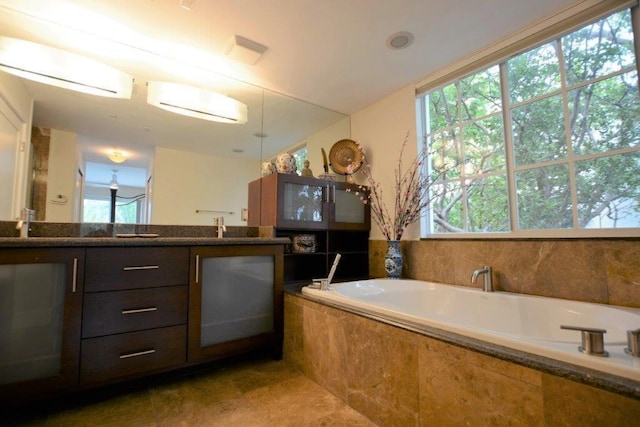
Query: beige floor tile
point(296, 402)
point(245, 392)
point(121, 411)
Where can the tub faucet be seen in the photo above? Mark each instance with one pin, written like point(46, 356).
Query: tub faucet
point(487, 285)
point(24, 222)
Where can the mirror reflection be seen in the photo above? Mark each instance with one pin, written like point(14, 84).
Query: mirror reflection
point(167, 168)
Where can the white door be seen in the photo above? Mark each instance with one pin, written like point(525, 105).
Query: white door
point(9, 137)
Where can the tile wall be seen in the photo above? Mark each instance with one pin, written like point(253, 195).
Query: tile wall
point(595, 270)
point(396, 377)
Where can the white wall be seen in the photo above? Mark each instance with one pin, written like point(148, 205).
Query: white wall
point(203, 183)
point(381, 129)
point(61, 178)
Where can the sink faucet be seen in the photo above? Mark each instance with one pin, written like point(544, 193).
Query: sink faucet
point(221, 227)
point(488, 282)
point(24, 222)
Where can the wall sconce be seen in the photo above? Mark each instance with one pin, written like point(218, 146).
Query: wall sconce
point(57, 67)
point(194, 102)
point(117, 156)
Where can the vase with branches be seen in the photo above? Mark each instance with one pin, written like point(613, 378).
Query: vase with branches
point(413, 187)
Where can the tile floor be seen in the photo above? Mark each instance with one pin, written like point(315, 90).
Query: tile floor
point(247, 391)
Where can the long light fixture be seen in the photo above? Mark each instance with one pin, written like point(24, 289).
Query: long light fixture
point(57, 67)
point(195, 102)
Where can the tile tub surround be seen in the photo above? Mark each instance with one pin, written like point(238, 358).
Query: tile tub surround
point(398, 377)
point(605, 271)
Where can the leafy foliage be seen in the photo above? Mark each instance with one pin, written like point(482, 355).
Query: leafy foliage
point(573, 129)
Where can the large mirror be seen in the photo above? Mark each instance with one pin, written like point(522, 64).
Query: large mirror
point(178, 169)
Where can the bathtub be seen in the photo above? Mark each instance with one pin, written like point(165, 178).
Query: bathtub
point(526, 323)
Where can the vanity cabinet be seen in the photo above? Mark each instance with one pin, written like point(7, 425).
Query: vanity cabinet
point(235, 300)
point(74, 318)
point(337, 220)
point(135, 312)
point(40, 320)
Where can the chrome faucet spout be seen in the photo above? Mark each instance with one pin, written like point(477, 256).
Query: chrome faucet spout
point(487, 285)
point(24, 222)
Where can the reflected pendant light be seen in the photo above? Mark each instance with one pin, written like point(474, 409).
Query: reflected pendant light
point(59, 68)
point(195, 102)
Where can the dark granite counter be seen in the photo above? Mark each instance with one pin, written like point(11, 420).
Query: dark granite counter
point(41, 242)
point(47, 234)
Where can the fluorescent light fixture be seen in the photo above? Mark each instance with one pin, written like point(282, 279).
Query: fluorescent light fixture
point(244, 50)
point(117, 156)
point(195, 102)
point(57, 67)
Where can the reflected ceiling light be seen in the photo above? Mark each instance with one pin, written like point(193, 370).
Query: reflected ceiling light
point(59, 68)
point(117, 156)
point(194, 102)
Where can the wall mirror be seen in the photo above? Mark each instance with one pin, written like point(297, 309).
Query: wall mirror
point(189, 170)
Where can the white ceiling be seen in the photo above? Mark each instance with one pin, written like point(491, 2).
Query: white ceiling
point(331, 53)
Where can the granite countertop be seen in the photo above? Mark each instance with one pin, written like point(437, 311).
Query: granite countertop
point(45, 234)
point(35, 242)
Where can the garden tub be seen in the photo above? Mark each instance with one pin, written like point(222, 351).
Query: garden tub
point(521, 322)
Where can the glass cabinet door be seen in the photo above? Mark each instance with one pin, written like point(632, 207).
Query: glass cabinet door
point(235, 300)
point(302, 202)
point(348, 211)
point(40, 307)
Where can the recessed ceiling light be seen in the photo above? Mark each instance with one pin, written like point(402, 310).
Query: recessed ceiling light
point(400, 40)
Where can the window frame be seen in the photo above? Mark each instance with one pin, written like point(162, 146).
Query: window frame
point(422, 107)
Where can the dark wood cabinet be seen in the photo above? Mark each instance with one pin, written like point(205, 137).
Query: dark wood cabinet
point(331, 212)
point(135, 312)
point(41, 295)
point(76, 318)
point(235, 300)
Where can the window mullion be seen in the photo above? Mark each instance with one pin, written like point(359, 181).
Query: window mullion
point(568, 140)
point(508, 142)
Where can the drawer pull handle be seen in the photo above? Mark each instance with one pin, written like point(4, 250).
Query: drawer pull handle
point(139, 310)
point(136, 354)
point(142, 267)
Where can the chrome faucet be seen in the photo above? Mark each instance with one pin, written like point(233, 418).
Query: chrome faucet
point(24, 222)
point(221, 227)
point(488, 281)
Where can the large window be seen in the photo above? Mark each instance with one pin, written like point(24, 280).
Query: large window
point(546, 140)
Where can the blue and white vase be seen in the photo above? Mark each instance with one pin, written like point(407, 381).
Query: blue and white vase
point(393, 259)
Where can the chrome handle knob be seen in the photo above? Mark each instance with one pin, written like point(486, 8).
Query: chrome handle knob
point(633, 341)
point(592, 340)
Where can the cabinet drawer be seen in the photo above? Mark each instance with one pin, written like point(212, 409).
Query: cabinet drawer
point(131, 354)
point(108, 269)
point(114, 312)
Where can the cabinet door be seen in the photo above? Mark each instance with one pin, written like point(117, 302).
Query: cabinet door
point(235, 300)
point(347, 210)
point(302, 202)
point(40, 316)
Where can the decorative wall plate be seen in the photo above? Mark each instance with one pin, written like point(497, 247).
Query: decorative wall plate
point(345, 153)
